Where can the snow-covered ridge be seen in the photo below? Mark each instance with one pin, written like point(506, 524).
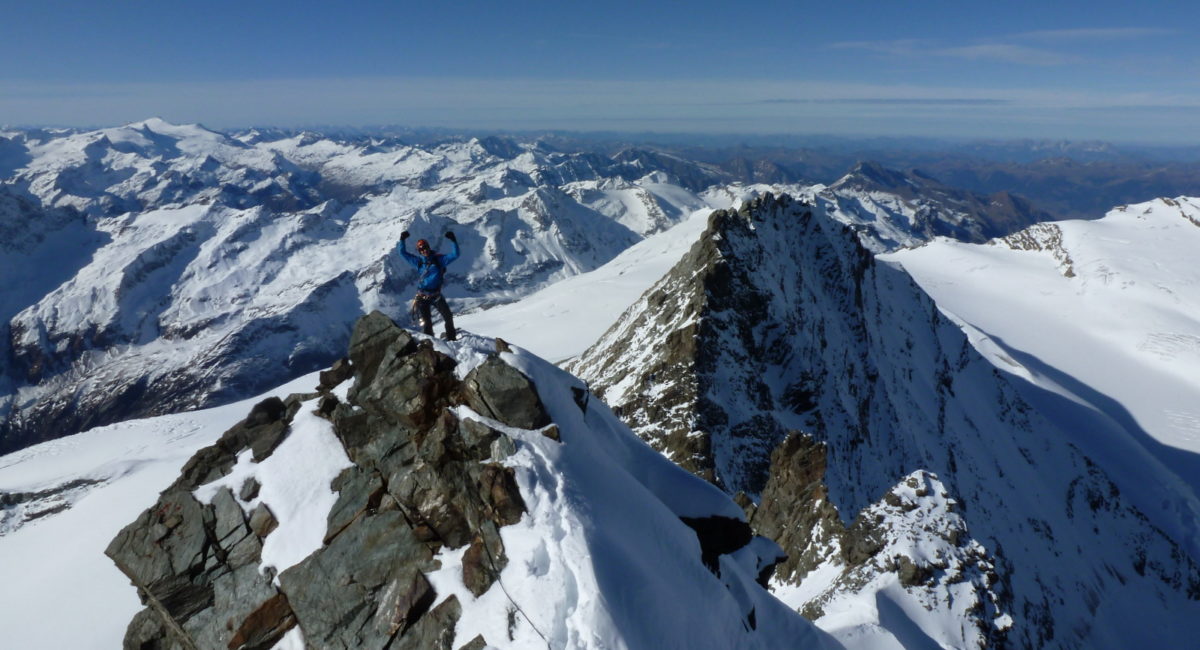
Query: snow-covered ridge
point(779, 320)
point(594, 553)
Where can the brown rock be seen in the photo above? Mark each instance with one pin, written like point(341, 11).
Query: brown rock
point(478, 574)
point(264, 626)
point(339, 372)
point(263, 521)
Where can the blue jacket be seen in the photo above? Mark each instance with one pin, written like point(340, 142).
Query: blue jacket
point(431, 270)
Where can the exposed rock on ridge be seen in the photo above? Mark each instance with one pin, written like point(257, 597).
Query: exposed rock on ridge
point(439, 459)
point(421, 480)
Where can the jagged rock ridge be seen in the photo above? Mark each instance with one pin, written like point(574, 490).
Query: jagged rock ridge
point(780, 320)
point(415, 549)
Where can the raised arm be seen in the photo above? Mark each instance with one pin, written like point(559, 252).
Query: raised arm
point(453, 254)
point(402, 248)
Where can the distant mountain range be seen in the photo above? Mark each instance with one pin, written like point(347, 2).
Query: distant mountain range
point(161, 267)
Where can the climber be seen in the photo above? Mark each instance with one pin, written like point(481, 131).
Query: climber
point(431, 272)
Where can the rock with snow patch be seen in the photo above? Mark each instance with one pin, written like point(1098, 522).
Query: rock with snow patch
point(501, 392)
point(412, 541)
point(422, 481)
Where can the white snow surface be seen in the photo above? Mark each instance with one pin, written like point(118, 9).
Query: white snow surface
point(1105, 313)
point(600, 560)
point(562, 320)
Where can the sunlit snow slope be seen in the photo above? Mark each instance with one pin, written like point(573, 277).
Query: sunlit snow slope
point(1106, 312)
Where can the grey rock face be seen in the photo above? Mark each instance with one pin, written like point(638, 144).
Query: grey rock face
point(366, 586)
point(148, 632)
point(421, 480)
point(501, 392)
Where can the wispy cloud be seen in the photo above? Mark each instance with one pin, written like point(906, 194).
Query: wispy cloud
point(1088, 34)
point(903, 46)
point(1008, 53)
point(1009, 48)
point(894, 101)
point(992, 51)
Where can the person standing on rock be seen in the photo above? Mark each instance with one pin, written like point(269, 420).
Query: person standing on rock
point(431, 273)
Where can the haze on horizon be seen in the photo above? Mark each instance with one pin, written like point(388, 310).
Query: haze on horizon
point(1074, 70)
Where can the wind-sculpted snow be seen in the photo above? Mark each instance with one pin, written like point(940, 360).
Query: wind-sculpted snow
point(780, 320)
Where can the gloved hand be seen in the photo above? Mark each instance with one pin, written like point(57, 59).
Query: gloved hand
point(404, 235)
point(451, 237)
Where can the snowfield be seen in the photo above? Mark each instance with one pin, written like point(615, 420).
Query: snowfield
point(1105, 314)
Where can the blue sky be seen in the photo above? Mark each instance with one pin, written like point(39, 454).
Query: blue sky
point(1102, 69)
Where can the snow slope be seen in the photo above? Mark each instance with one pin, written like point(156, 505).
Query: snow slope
point(1104, 313)
point(562, 320)
point(601, 559)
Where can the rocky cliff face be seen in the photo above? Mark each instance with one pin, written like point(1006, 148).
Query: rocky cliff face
point(376, 513)
point(780, 320)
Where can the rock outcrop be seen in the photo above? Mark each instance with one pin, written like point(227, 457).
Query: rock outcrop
point(914, 535)
point(382, 511)
point(421, 480)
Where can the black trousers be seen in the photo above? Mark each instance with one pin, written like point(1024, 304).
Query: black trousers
point(421, 304)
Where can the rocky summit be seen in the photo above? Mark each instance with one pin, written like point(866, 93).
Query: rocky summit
point(448, 507)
